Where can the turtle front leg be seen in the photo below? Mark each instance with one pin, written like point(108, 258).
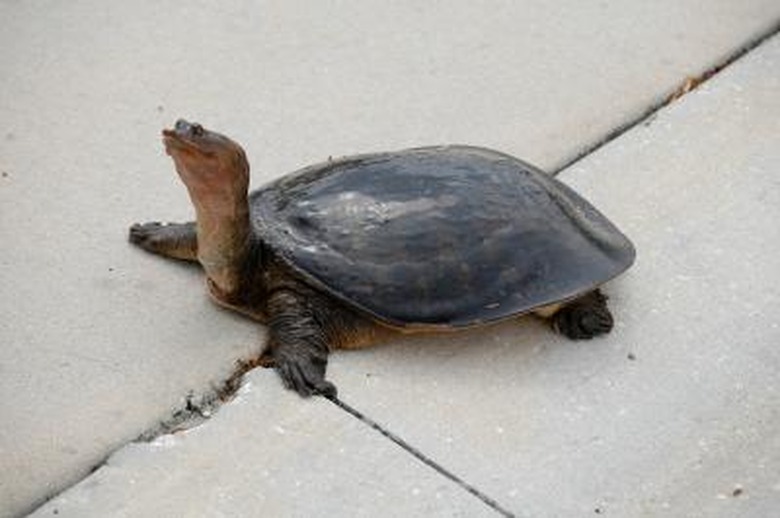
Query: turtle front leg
point(175, 240)
point(584, 318)
point(298, 344)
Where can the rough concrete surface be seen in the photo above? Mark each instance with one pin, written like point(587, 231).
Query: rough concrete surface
point(100, 341)
point(267, 453)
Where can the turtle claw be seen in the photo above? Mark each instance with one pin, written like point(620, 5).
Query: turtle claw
point(305, 377)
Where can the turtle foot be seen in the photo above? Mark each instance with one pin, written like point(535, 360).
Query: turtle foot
point(304, 375)
point(584, 318)
point(143, 234)
point(175, 240)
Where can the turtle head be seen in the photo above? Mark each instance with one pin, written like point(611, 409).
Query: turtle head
point(216, 173)
point(207, 162)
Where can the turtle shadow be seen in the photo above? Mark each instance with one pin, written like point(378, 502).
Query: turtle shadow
point(469, 356)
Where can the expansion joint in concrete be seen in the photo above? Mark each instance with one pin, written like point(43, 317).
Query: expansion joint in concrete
point(688, 85)
point(487, 500)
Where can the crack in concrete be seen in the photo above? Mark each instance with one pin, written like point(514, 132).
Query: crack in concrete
point(689, 84)
point(490, 502)
point(198, 409)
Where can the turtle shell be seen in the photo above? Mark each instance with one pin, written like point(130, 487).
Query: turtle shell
point(450, 236)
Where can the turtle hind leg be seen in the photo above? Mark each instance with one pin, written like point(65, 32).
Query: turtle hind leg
point(175, 240)
point(584, 318)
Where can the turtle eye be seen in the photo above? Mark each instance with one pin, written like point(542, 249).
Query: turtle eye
point(196, 130)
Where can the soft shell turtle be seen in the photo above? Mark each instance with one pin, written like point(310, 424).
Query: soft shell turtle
point(343, 253)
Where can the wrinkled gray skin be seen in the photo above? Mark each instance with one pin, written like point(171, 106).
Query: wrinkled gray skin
point(306, 320)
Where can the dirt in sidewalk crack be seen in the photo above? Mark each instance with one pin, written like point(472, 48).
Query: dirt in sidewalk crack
point(688, 85)
point(199, 408)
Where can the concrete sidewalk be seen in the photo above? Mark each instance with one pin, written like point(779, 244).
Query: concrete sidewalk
point(101, 342)
point(677, 413)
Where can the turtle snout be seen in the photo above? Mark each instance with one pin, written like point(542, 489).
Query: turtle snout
point(188, 129)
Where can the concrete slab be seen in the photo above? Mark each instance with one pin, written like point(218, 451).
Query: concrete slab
point(677, 413)
point(267, 453)
point(100, 341)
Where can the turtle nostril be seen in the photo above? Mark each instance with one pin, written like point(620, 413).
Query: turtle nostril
point(181, 125)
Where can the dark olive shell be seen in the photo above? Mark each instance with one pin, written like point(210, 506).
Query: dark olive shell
point(441, 236)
